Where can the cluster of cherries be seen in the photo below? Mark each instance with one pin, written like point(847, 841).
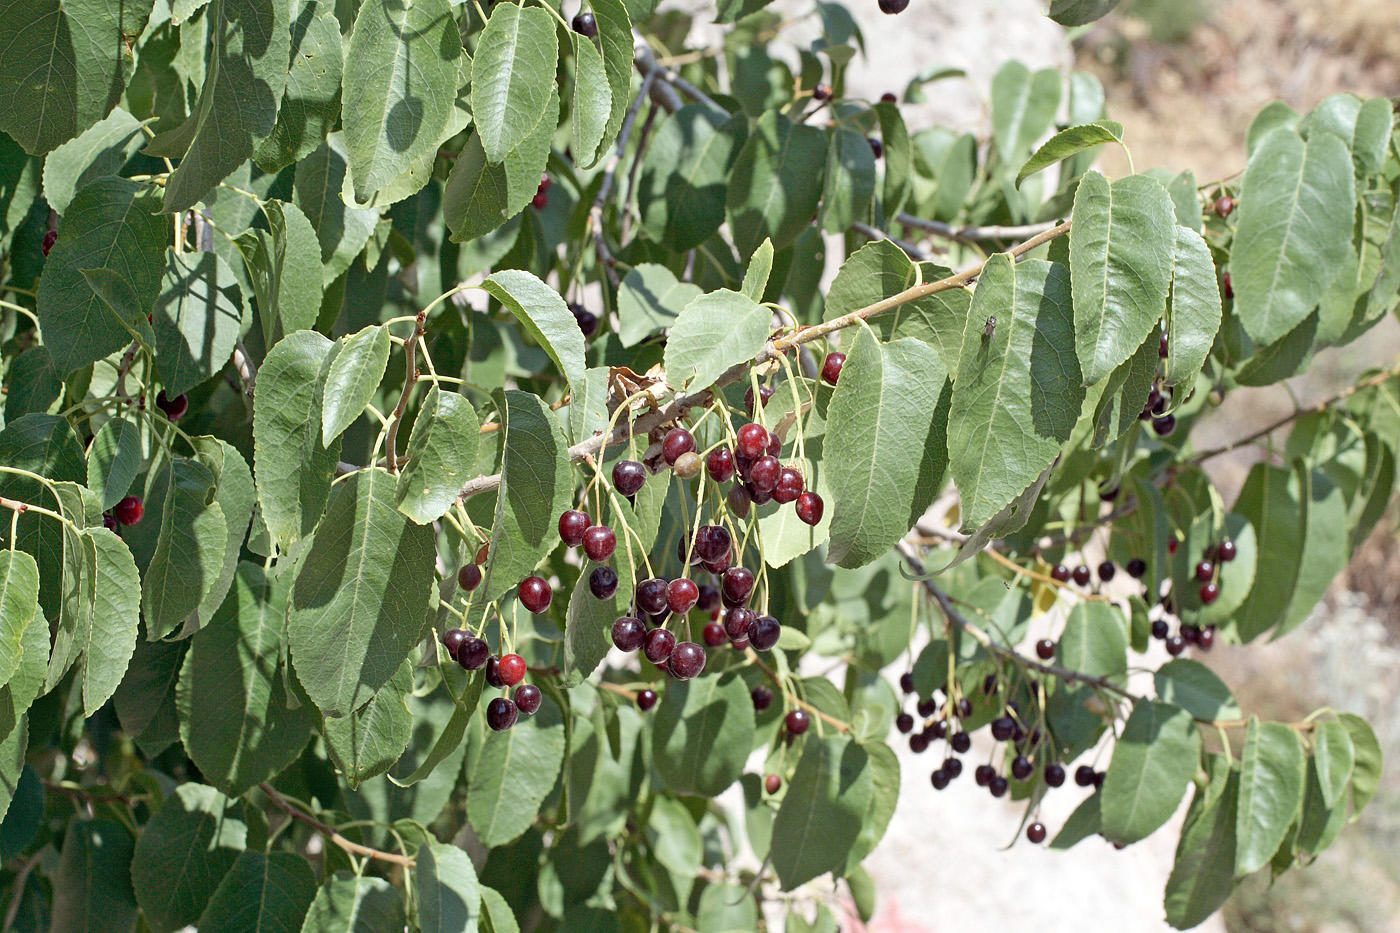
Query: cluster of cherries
point(541, 199)
point(503, 673)
point(1160, 396)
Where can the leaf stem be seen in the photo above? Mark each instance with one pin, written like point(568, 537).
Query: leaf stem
point(329, 832)
point(410, 379)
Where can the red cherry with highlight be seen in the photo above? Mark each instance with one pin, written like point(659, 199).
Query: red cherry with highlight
point(511, 668)
point(535, 594)
point(658, 645)
point(720, 464)
point(790, 486)
point(810, 508)
point(646, 699)
point(469, 577)
point(682, 595)
point(599, 542)
point(527, 699)
point(129, 511)
point(501, 714)
point(753, 440)
point(831, 367)
point(572, 525)
point(797, 721)
point(676, 442)
point(714, 634)
point(628, 633)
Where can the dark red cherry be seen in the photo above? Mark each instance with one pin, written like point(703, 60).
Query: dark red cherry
point(737, 622)
point(1022, 768)
point(762, 698)
point(682, 595)
point(676, 442)
point(714, 634)
point(572, 525)
point(658, 645)
point(999, 786)
point(1045, 649)
point(906, 682)
point(527, 699)
point(1225, 550)
point(1002, 728)
point(511, 669)
point(790, 485)
point(1036, 833)
point(1084, 775)
point(888, 98)
point(876, 146)
point(810, 508)
point(1107, 571)
point(709, 599)
point(821, 92)
point(1206, 640)
point(599, 542)
point(764, 633)
point(904, 723)
point(535, 594)
point(602, 582)
point(753, 440)
point(585, 24)
point(1054, 774)
point(720, 464)
point(983, 775)
point(1081, 575)
point(469, 577)
point(628, 477)
point(646, 699)
point(764, 392)
point(960, 743)
point(775, 444)
point(1205, 571)
point(764, 474)
point(586, 320)
point(718, 567)
point(473, 653)
point(797, 721)
point(1210, 592)
point(174, 408)
point(737, 585)
point(493, 673)
point(1175, 645)
point(628, 633)
point(739, 501)
point(50, 238)
point(651, 596)
point(1137, 568)
point(539, 202)
point(831, 367)
point(129, 511)
point(1164, 426)
point(772, 783)
point(452, 640)
point(1160, 629)
point(712, 542)
point(1223, 206)
point(501, 714)
point(687, 660)
point(1060, 573)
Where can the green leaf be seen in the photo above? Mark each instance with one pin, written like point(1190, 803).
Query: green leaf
point(311, 102)
point(114, 459)
point(293, 470)
point(702, 734)
point(341, 229)
point(110, 224)
point(1271, 793)
point(1153, 760)
point(1080, 12)
point(23, 805)
point(1094, 641)
point(19, 604)
point(235, 495)
point(588, 632)
point(250, 48)
point(46, 445)
point(441, 453)
point(756, 275)
point(495, 913)
point(1269, 501)
point(12, 767)
point(884, 770)
point(1296, 209)
point(714, 332)
point(64, 67)
point(107, 617)
point(22, 688)
point(284, 263)
point(888, 418)
point(235, 719)
point(726, 907)
point(1018, 393)
point(545, 317)
point(34, 383)
point(368, 741)
point(1085, 821)
point(185, 850)
point(1126, 391)
point(1199, 885)
point(592, 100)
point(615, 37)
point(102, 149)
point(357, 366)
point(1366, 771)
point(481, 196)
point(1120, 259)
point(261, 894)
point(401, 75)
point(355, 904)
point(849, 186)
point(1196, 689)
point(447, 745)
point(536, 485)
point(197, 319)
point(92, 881)
point(821, 813)
point(1319, 824)
point(1186, 202)
point(513, 76)
point(1333, 757)
point(361, 595)
point(1067, 142)
point(649, 301)
point(444, 882)
point(189, 554)
point(145, 699)
point(512, 774)
point(684, 178)
point(675, 841)
point(1193, 315)
point(776, 183)
point(899, 159)
point(1023, 109)
point(1326, 544)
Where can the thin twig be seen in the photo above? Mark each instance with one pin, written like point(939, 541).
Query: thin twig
point(768, 672)
point(1344, 394)
point(647, 64)
point(972, 234)
point(21, 880)
point(410, 379)
point(330, 831)
point(595, 213)
point(642, 139)
point(88, 796)
point(864, 229)
point(124, 367)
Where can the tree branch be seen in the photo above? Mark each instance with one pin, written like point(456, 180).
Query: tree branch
point(912, 251)
point(972, 234)
point(330, 832)
point(595, 213)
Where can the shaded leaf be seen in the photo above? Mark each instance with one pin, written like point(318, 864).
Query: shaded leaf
point(197, 319)
point(820, 818)
point(776, 183)
point(702, 734)
point(184, 852)
point(509, 86)
point(441, 453)
point(512, 774)
point(1270, 795)
point(261, 894)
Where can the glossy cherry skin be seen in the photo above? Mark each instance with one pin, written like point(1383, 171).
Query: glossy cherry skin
point(469, 577)
point(797, 721)
point(535, 594)
point(527, 699)
point(572, 525)
point(831, 367)
point(501, 714)
point(473, 653)
point(628, 477)
point(764, 474)
point(772, 783)
point(904, 723)
point(1054, 774)
point(753, 441)
point(712, 542)
point(676, 442)
point(810, 508)
point(737, 622)
point(651, 596)
point(960, 743)
point(764, 392)
point(602, 582)
point(687, 660)
point(790, 486)
point(658, 645)
point(764, 633)
point(452, 640)
point(628, 633)
point(174, 408)
point(129, 511)
point(1210, 592)
point(493, 673)
point(1036, 833)
point(736, 585)
point(1081, 575)
point(682, 595)
point(512, 669)
point(1225, 551)
point(1045, 649)
point(720, 464)
point(646, 699)
point(713, 634)
point(739, 501)
point(599, 542)
point(1060, 573)
point(999, 786)
point(585, 24)
point(1107, 571)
